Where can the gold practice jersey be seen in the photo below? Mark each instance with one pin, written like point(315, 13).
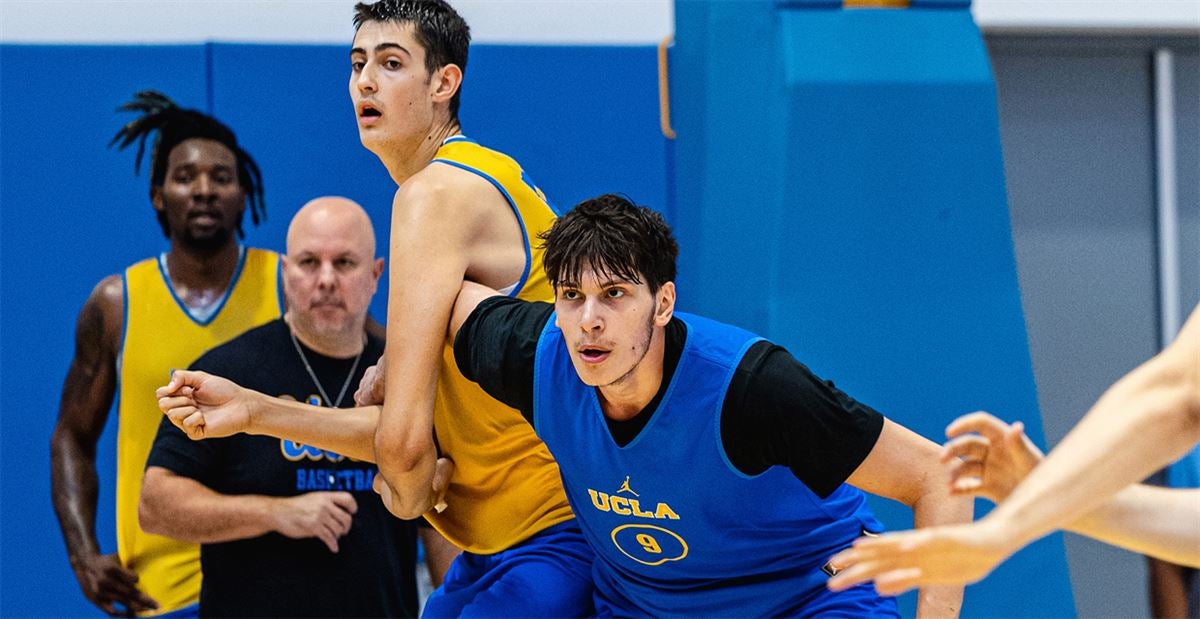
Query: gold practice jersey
point(160, 335)
point(505, 487)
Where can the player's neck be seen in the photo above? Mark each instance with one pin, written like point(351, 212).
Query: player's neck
point(194, 268)
point(406, 161)
point(625, 398)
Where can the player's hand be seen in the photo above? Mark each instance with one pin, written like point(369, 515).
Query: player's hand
point(443, 470)
point(987, 457)
point(323, 515)
point(898, 562)
point(106, 583)
point(370, 388)
point(205, 406)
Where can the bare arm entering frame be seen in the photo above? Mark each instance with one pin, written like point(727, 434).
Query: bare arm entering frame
point(989, 458)
point(1147, 419)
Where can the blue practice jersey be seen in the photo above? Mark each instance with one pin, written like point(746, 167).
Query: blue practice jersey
point(678, 530)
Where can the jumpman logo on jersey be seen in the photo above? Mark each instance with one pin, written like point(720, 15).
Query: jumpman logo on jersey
point(625, 488)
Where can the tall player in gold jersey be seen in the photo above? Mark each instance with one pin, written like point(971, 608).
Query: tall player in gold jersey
point(462, 212)
point(135, 327)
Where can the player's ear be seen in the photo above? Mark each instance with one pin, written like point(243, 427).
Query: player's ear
point(446, 82)
point(156, 200)
point(664, 304)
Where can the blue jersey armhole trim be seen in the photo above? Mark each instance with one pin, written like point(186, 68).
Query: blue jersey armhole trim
point(537, 371)
point(511, 204)
point(717, 418)
point(237, 274)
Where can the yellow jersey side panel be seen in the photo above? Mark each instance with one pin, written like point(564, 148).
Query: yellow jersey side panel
point(505, 486)
point(160, 336)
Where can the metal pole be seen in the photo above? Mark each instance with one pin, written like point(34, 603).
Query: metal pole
point(1167, 203)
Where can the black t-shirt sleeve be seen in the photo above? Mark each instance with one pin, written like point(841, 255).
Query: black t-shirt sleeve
point(777, 412)
point(174, 451)
point(496, 347)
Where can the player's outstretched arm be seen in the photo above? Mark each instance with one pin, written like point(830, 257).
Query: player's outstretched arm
point(989, 457)
point(86, 398)
point(904, 466)
point(1147, 419)
point(208, 406)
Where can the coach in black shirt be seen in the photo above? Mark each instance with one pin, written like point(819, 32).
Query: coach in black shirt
point(287, 530)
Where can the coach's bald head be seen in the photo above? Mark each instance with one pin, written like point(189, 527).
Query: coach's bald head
point(330, 274)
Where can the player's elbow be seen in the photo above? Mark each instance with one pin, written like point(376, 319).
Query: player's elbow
point(933, 503)
point(402, 450)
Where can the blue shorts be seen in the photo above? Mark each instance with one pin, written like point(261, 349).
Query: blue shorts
point(858, 601)
point(547, 575)
point(803, 596)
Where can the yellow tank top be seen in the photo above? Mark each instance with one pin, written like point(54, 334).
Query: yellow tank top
point(159, 336)
point(505, 486)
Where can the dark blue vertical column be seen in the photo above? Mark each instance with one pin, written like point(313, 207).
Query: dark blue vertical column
point(840, 188)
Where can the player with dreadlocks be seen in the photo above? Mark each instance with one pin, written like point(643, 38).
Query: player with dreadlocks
point(159, 314)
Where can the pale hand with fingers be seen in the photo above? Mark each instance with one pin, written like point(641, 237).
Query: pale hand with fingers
point(205, 406)
point(987, 457)
point(324, 515)
point(898, 562)
point(370, 388)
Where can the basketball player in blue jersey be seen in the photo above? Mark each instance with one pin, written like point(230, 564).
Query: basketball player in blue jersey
point(711, 472)
point(136, 326)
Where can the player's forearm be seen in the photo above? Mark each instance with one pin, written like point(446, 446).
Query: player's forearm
point(407, 458)
point(935, 507)
point(1141, 423)
point(404, 447)
point(185, 509)
point(347, 431)
point(75, 489)
point(1160, 522)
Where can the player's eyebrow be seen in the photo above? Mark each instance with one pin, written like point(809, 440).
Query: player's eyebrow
point(382, 47)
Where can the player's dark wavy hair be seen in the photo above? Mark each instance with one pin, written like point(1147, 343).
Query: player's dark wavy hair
point(439, 29)
point(171, 125)
point(615, 238)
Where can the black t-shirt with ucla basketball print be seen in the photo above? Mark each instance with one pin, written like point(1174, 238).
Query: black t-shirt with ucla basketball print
point(776, 411)
point(372, 575)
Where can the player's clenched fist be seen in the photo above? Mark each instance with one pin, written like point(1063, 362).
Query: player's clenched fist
point(205, 406)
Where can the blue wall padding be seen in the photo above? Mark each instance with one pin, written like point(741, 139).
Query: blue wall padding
point(810, 4)
point(582, 120)
point(862, 222)
point(73, 213)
